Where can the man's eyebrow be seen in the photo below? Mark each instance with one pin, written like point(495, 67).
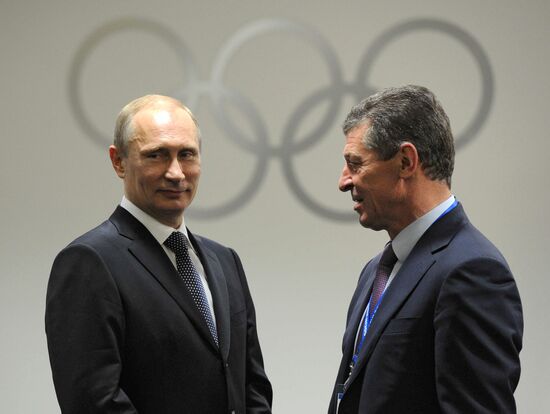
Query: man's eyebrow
point(190, 149)
point(352, 155)
point(152, 149)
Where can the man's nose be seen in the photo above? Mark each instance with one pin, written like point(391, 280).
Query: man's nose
point(174, 171)
point(344, 183)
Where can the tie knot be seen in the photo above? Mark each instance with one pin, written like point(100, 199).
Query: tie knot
point(177, 242)
point(388, 258)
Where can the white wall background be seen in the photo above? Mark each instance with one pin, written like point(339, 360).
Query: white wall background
point(56, 180)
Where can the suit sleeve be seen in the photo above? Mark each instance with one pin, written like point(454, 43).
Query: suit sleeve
point(478, 329)
point(85, 332)
point(259, 393)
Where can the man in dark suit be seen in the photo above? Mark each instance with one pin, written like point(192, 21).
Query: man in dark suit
point(142, 316)
point(435, 324)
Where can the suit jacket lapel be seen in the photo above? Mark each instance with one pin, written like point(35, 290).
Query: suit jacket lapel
point(145, 248)
point(218, 288)
point(417, 264)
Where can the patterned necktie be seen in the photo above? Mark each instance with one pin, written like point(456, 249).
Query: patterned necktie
point(177, 242)
point(385, 266)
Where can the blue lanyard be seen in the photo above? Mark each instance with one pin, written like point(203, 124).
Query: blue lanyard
point(367, 321)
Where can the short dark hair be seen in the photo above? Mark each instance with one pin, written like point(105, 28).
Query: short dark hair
point(407, 114)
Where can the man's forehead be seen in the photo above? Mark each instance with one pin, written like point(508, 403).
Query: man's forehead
point(162, 117)
point(161, 113)
point(156, 119)
point(163, 140)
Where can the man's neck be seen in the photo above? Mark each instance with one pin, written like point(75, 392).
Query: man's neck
point(420, 200)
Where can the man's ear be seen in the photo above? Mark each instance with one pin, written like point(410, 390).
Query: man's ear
point(118, 161)
point(410, 161)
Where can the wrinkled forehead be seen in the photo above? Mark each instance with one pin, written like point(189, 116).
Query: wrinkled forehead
point(162, 128)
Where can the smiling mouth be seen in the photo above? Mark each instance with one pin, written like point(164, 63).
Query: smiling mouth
point(356, 198)
point(172, 192)
point(357, 201)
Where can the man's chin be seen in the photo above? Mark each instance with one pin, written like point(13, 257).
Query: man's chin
point(363, 218)
point(368, 224)
point(167, 202)
point(171, 207)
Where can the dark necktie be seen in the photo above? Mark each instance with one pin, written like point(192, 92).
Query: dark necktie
point(385, 266)
point(383, 271)
point(177, 242)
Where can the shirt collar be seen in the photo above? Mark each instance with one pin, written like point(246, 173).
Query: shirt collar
point(159, 231)
point(404, 242)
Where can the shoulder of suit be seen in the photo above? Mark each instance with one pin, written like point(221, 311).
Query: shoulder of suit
point(99, 235)
point(473, 244)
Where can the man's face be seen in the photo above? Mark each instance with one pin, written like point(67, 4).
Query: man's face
point(373, 183)
point(162, 168)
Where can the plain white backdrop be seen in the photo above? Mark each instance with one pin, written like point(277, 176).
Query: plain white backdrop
point(57, 182)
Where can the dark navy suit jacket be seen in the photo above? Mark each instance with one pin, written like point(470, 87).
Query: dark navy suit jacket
point(447, 335)
point(125, 336)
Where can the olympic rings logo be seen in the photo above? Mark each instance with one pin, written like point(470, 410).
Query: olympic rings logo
point(291, 145)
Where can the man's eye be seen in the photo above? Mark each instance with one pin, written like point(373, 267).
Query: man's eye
point(353, 165)
point(186, 155)
point(153, 155)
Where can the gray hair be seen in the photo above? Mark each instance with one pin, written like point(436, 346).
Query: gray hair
point(124, 126)
point(407, 114)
